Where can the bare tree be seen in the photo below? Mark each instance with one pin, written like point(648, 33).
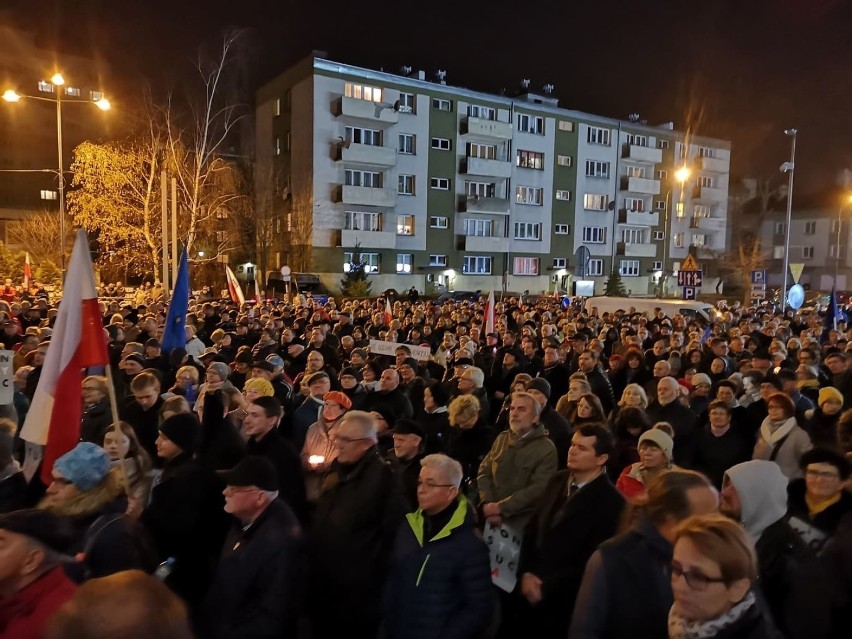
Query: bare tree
point(300, 223)
point(198, 154)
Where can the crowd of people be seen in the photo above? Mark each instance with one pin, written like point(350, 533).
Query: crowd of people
point(657, 477)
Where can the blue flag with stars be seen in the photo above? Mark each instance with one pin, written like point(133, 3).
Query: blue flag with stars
point(174, 334)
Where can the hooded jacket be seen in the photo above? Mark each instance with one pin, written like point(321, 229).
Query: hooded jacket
point(515, 472)
point(440, 587)
point(792, 582)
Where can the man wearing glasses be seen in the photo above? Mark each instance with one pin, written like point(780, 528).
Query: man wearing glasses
point(252, 593)
point(441, 577)
point(357, 514)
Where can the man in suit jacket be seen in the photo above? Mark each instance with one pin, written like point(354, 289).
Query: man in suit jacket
point(579, 510)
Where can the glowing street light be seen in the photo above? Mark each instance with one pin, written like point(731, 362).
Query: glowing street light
point(58, 80)
point(681, 175)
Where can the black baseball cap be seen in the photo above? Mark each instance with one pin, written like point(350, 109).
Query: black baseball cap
point(252, 471)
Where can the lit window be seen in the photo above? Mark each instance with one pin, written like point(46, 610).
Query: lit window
point(49, 195)
point(526, 266)
point(363, 92)
point(405, 225)
point(404, 262)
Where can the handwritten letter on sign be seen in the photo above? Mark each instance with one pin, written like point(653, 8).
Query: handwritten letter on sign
point(504, 547)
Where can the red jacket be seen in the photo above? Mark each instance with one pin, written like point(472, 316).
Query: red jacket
point(25, 615)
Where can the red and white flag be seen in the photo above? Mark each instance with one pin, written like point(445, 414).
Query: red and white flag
point(489, 313)
point(28, 272)
point(53, 421)
point(234, 288)
point(388, 312)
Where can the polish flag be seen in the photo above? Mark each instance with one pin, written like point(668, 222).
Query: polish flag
point(489, 313)
point(388, 312)
point(28, 272)
point(78, 342)
point(234, 287)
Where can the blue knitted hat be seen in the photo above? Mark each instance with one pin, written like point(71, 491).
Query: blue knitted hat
point(85, 466)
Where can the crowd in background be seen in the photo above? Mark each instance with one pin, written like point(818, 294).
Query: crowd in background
point(663, 478)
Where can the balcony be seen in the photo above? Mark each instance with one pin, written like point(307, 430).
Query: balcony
point(373, 112)
point(645, 154)
point(368, 239)
point(487, 205)
point(714, 165)
point(639, 218)
point(636, 250)
point(710, 194)
point(640, 185)
point(708, 223)
point(486, 128)
point(480, 244)
point(366, 196)
point(488, 168)
point(366, 154)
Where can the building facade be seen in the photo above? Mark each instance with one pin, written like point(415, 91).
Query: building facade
point(444, 187)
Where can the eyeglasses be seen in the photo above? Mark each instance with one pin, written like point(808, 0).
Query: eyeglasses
point(429, 485)
point(695, 579)
point(821, 474)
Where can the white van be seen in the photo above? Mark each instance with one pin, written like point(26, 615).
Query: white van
point(646, 306)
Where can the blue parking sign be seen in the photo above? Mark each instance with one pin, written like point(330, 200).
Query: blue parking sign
point(758, 277)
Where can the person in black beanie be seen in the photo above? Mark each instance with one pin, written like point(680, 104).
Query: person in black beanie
point(408, 441)
point(350, 383)
point(434, 419)
point(186, 517)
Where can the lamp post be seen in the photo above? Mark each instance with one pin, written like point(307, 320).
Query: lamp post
point(58, 81)
point(789, 168)
point(837, 247)
point(681, 175)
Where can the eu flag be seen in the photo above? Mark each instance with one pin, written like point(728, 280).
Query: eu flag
point(174, 334)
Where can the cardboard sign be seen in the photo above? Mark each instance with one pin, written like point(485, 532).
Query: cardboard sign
point(379, 347)
point(7, 382)
point(504, 548)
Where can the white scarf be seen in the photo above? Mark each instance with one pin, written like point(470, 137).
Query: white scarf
point(772, 438)
point(680, 628)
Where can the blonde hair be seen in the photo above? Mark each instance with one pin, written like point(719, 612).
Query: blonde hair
point(100, 381)
point(463, 408)
point(723, 541)
point(193, 372)
point(638, 389)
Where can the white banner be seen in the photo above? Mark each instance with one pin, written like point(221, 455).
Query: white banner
point(378, 347)
point(504, 548)
point(7, 382)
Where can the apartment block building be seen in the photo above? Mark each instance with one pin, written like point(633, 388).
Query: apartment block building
point(441, 186)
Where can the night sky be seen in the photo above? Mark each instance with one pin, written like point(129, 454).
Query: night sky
point(743, 70)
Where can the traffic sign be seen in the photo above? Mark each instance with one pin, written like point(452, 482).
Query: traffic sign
point(688, 293)
point(689, 264)
point(796, 271)
point(690, 278)
point(758, 277)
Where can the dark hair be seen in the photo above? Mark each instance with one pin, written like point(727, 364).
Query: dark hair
point(271, 406)
point(631, 416)
point(727, 384)
point(826, 456)
point(774, 380)
point(604, 442)
point(720, 405)
point(597, 407)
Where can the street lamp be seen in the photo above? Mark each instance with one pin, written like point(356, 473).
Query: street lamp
point(837, 247)
point(10, 95)
point(789, 168)
point(681, 175)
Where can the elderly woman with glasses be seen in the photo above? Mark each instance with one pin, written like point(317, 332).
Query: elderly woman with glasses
point(713, 570)
point(96, 417)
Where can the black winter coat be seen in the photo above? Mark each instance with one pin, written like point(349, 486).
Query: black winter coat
point(558, 541)
point(187, 521)
point(439, 588)
point(626, 589)
point(685, 432)
point(793, 583)
point(95, 421)
point(356, 518)
point(288, 465)
point(252, 595)
point(394, 401)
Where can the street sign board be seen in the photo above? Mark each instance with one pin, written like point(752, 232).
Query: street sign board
point(689, 264)
point(690, 278)
point(758, 277)
point(688, 293)
point(796, 271)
